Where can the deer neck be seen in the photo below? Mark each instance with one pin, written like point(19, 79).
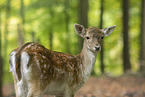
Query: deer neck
point(88, 60)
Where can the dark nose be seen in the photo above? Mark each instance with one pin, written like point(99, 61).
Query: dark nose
point(97, 47)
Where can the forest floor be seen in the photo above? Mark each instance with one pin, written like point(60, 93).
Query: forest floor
point(124, 86)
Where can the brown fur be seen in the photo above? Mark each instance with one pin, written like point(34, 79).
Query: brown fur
point(57, 64)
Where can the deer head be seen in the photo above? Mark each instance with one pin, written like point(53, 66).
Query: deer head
point(93, 36)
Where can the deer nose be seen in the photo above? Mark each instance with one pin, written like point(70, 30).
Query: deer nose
point(97, 47)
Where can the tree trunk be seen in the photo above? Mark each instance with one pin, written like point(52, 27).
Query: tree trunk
point(1, 75)
point(126, 56)
point(6, 27)
point(34, 39)
point(20, 35)
point(67, 26)
point(142, 37)
point(33, 36)
point(1, 65)
point(83, 19)
point(51, 29)
point(22, 13)
point(51, 38)
point(102, 47)
point(0, 34)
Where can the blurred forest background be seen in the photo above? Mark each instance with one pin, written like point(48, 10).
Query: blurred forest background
point(51, 23)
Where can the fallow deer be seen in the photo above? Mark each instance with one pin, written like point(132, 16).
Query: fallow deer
point(37, 70)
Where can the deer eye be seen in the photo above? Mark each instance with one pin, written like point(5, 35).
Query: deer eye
point(88, 37)
point(102, 37)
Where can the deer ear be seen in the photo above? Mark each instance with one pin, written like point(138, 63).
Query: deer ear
point(79, 29)
point(107, 31)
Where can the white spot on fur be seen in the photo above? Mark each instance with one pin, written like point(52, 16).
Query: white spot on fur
point(44, 65)
point(43, 57)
